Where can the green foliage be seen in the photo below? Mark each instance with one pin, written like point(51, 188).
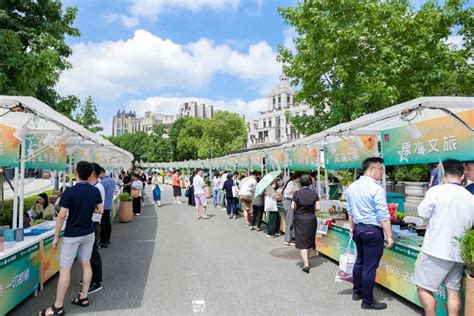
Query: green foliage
point(158, 148)
point(412, 173)
point(189, 139)
point(135, 143)
point(359, 56)
point(124, 197)
point(33, 50)
point(466, 243)
point(345, 177)
point(6, 208)
point(87, 116)
point(174, 132)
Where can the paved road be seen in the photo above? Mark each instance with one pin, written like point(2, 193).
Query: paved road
point(168, 263)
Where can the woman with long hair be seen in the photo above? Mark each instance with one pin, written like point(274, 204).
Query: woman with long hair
point(191, 200)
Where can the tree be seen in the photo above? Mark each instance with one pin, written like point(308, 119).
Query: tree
point(158, 147)
point(33, 50)
point(135, 143)
point(359, 56)
point(224, 133)
point(175, 129)
point(87, 116)
point(189, 138)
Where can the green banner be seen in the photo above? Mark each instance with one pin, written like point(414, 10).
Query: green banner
point(303, 158)
point(440, 138)
point(9, 147)
point(51, 159)
point(19, 277)
point(350, 153)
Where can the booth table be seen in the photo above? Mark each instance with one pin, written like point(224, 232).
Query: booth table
point(396, 268)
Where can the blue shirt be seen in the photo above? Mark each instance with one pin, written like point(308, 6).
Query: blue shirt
point(367, 202)
point(434, 174)
point(81, 201)
point(109, 186)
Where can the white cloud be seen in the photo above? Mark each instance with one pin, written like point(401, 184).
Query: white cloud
point(170, 105)
point(455, 41)
point(151, 9)
point(257, 11)
point(147, 62)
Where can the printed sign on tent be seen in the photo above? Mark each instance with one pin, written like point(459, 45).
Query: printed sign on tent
point(439, 138)
point(52, 158)
point(9, 147)
point(350, 153)
point(275, 159)
point(256, 159)
point(303, 158)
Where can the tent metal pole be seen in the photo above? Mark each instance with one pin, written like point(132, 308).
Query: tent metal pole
point(22, 181)
point(319, 181)
point(327, 184)
point(15, 199)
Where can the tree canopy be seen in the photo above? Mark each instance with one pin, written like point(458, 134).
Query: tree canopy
point(87, 116)
point(135, 143)
point(359, 56)
point(34, 51)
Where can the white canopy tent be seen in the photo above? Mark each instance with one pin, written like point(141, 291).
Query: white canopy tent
point(30, 116)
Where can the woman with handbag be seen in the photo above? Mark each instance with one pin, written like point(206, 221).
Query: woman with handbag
point(136, 189)
point(305, 204)
point(155, 182)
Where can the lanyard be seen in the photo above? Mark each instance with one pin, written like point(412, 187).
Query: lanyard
point(456, 183)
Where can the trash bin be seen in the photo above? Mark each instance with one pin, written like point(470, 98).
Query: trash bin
point(334, 191)
point(397, 198)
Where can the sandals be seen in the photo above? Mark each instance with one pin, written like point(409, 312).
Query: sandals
point(55, 310)
point(81, 301)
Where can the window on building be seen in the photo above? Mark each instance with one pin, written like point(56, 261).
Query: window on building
point(288, 98)
point(279, 98)
point(274, 100)
point(265, 134)
point(270, 123)
point(264, 123)
point(304, 113)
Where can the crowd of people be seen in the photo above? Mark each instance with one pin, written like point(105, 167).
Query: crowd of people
point(448, 208)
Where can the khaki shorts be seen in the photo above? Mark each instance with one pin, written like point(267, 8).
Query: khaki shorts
point(431, 272)
point(246, 203)
point(73, 247)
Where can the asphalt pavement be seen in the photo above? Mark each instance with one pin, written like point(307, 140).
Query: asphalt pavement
point(166, 262)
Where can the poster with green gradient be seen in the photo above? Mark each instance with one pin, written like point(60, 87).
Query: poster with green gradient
point(395, 271)
point(275, 159)
point(344, 154)
point(256, 159)
point(441, 138)
point(19, 277)
point(51, 159)
point(9, 147)
point(303, 158)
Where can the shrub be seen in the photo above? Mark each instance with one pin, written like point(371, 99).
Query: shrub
point(124, 197)
point(413, 173)
point(466, 243)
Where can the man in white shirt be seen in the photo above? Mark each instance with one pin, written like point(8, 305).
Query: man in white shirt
point(246, 192)
point(199, 195)
point(450, 211)
point(96, 260)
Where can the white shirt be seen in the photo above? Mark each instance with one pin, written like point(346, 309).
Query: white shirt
point(97, 217)
point(270, 203)
point(291, 187)
point(247, 186)
point(223, 179)
point(198, 184)
point(450, 210)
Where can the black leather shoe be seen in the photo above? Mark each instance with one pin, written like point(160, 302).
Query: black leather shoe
point(306, 269)
point(356, 297)
point(375, 306)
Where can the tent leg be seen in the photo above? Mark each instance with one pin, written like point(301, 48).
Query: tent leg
point(15, 199)
point(22, 182)
point(319, 181)
point(327, 184)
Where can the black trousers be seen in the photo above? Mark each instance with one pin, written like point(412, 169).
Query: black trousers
point(273, 225)
point(257, 215)
point(137, 205)
point(96, 261)
point(105, 227)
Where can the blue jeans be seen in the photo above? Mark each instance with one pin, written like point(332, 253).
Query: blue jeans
point(216, 197)
point(369, 243)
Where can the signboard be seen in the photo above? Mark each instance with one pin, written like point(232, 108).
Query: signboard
point(19, 277)
point(9, 147)
point(441, 138)
point(256, 159)
point(303, 158)
point(395, 271)
point(275, 159)
point(348, 154)
point(243, 160)
point(50, 258)
point(52, 158)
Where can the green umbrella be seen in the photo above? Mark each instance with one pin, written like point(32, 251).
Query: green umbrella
point(265, 182)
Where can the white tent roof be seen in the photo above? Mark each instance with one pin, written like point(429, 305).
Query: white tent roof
point(61, 123)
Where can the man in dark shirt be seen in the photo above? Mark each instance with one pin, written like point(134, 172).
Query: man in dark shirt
point(78, 203)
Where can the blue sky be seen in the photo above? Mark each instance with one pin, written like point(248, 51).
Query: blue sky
point(155, 54)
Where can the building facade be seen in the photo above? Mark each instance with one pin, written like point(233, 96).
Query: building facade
point(273, 126)
point(194, 109)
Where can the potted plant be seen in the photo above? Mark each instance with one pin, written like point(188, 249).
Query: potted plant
point(466, 244)
point(125, 208)
point(207, 188)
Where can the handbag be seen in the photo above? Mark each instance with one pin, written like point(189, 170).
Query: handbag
point(235, 190)
point(187, 193)
point(346, 263)
point(135, 193)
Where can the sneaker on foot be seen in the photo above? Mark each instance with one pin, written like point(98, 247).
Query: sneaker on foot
point(205, 217)
point(95, 287)
point(259, 229)
point(375, 306)
point(247, 225)
point(356, 297)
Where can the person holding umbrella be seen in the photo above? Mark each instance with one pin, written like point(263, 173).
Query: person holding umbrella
point(268, 185)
